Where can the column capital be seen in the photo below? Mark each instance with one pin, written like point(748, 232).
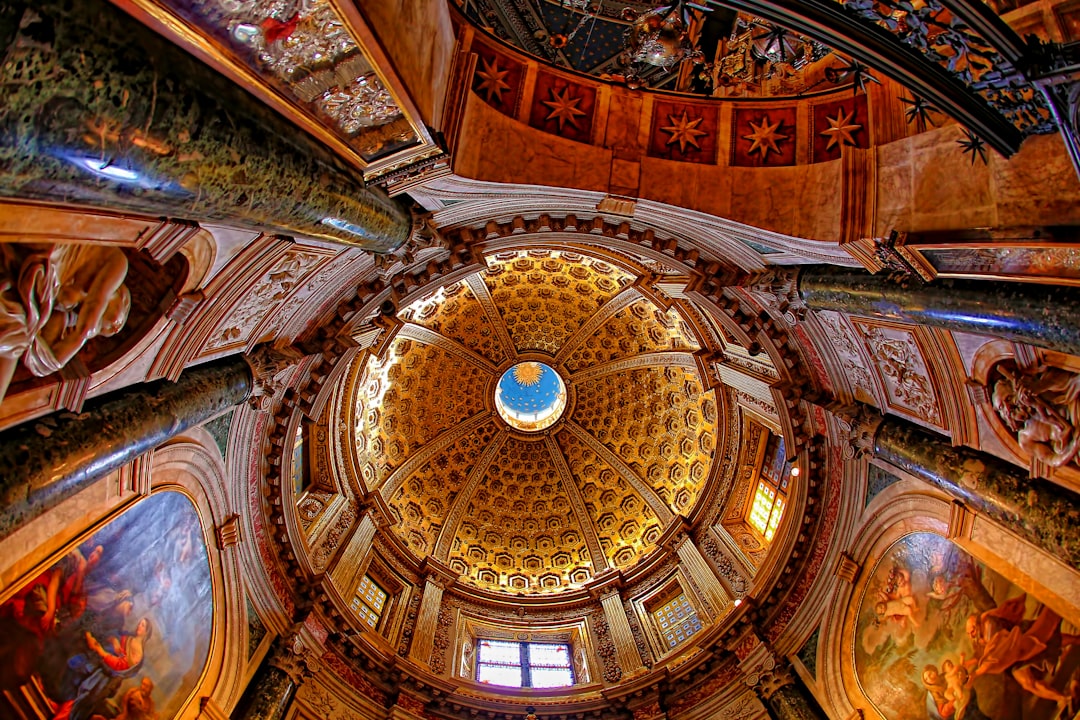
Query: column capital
point(761, 669)
point(782, 282)
point(293, 657)
point(266, 363)
point(861, 423)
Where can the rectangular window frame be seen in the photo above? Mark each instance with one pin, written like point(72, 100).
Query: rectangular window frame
point(524, 662)
point(381, 613)
point(646, 606)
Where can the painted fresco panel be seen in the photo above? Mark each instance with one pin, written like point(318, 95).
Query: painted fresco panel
point(940, 636)
point(121, 623)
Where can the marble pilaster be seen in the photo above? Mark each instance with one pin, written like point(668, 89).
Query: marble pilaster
point(619, 626)
point(427, 619)
point(702, 573)
point(47, 460)
point(351, 562)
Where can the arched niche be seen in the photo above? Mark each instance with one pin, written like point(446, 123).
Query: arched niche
point(938, 590)
point(162, 555)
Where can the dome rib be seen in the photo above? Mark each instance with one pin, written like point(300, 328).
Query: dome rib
point(482, 294)
point(424, 455)
point(626, 297)
point(655, 502)
point(666, 358)
point(461, 502)
point(597, 556)
point(426, 336)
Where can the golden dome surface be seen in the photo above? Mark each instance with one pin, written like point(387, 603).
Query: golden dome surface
point(544, 511)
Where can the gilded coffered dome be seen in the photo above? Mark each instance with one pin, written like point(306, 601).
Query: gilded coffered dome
point(537, 423)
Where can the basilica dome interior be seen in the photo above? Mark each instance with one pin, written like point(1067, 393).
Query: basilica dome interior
point(539, 359)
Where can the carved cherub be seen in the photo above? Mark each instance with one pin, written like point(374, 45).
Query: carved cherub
point(55, 299)
point(1042, 406)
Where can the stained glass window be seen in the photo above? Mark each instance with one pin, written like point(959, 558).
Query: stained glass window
point(369, 602)
point(517, 664)
point(676, 620)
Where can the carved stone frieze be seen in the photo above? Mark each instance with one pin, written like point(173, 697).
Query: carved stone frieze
point(900, 364)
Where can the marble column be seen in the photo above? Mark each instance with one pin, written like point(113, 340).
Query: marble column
point(1028, 313)
point(626, 651)
point(779, 689)
point(99, 110)
point(423, 640)
point(273, 686)
point(47, 460)
point(1039, 511)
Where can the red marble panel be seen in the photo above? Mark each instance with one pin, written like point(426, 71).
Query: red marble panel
point(680, 131)
point(563, 108)
point(498, 79)
point(763, 137)
point(839, 122)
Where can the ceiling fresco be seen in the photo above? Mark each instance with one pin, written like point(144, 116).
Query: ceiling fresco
point(544, 507)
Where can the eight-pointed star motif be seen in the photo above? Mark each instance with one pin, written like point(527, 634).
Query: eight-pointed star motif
point(765, 138)
point(841, 129)
point(564, 108)
point(684, 131)
point(493, 81)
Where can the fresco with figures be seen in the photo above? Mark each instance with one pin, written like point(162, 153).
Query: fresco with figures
point(119, 627)
point(940, 636)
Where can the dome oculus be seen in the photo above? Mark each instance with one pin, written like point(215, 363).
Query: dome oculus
point(530, 396)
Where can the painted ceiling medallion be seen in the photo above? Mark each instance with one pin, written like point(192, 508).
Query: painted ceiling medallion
point(564, 108)
point(765, 137)
point(841, 130)
point(530, 396)
point(528, 373)
point(684, 131)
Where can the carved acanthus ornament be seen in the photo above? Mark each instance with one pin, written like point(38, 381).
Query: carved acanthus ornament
point(424, 235)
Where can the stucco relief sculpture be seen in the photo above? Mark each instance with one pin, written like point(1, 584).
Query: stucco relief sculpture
point(1042, 406)
point(55, 299)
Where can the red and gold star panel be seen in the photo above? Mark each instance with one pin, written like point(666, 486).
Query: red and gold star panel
point(498, 80)
point(837, 123)
point(683, 132)
point(563, 108)
point(763, 137)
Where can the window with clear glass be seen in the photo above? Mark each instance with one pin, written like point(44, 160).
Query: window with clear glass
point(521, 664)
point(369, 602)
point(677, 620)
point(770, 497)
